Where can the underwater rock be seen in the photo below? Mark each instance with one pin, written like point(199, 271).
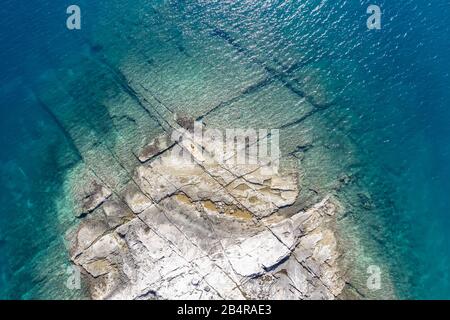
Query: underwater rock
point(155, 147)
point(93, 197)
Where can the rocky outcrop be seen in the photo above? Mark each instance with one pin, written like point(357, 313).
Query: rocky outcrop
point(206, 229)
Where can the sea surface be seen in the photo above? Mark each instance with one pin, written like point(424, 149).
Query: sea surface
point(363, 113)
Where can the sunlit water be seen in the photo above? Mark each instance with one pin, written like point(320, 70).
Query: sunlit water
point(364, 113)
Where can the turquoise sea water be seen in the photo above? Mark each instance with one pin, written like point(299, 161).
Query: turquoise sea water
point(363, 112)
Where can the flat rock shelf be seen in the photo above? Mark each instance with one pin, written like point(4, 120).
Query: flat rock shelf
point(206, 229)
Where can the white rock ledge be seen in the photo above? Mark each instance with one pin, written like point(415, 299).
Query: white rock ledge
point(206, 231)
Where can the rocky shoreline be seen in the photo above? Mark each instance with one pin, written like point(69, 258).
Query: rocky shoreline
point(204, 230)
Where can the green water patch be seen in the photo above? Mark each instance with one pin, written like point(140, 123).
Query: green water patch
point(33, 254)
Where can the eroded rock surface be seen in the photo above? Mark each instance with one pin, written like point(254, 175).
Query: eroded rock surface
point(206, 230)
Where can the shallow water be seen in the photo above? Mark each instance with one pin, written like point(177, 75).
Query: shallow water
point(363, 113)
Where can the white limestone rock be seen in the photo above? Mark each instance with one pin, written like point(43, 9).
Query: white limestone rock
point(196, 232)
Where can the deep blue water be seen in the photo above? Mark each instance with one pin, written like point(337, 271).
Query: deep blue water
point(393, 88)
